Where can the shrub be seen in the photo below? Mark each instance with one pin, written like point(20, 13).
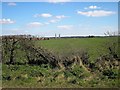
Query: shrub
point(110, 73)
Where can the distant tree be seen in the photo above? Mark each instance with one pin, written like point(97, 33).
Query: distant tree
point(108, 33)
point(91, 36)
point(59, 35)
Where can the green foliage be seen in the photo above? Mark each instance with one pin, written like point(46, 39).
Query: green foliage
point(20, 57)
point(111, 73)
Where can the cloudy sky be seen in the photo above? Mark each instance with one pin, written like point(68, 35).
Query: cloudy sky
point(68, 18)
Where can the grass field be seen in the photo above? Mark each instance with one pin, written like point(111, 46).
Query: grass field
point(94, 46)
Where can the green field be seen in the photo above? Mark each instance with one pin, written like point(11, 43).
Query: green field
point(94, 46)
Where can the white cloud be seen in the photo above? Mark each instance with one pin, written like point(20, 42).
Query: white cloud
point(45, 15)
point(61, 16)
point(54, 21)
point(12, 4)
point(96, 13)
point(57, 18)
point(35, 24)
point(92, 7)
point(6, 21)
point(58, 1)
point(67, 27)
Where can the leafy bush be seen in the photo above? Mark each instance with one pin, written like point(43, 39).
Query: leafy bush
point(110, 73)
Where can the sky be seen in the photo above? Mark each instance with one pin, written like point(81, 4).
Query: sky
point(64, 18)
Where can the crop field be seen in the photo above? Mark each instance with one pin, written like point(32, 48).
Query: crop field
point(61, 62)
point(65, 46)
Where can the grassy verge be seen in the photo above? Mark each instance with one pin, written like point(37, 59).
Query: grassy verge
point(35, 76)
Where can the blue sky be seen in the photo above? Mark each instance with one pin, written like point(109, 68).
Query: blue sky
point(48, 18)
